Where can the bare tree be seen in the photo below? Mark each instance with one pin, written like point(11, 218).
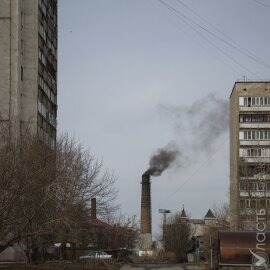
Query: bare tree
point(254, 186)
point(46, 193)
point(176, 237)
point(27, 181)
point(125, 231)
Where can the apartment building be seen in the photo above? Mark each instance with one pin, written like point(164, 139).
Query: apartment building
point(28, 70)
point(249, 153)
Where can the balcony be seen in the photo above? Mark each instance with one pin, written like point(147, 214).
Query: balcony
point(260, 160)
point(254, 194)
point(254, 143)
point(263, 177)
point(254, 125)
point(254, 109)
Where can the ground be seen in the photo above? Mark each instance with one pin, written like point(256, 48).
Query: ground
point(153, 266)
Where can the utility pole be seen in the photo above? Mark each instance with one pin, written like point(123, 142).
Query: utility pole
point(164, 212)
point(211, 254)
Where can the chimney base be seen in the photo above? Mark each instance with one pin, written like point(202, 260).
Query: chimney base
point(146, 241)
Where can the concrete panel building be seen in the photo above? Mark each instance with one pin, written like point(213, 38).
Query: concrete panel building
point(28, 70)
point(249, 153)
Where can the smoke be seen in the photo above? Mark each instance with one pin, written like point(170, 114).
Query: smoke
point(201, 124)
point(163, 159)
point(197, 127)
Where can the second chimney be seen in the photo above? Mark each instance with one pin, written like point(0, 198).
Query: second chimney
point(93, 208)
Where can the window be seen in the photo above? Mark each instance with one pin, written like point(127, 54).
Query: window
point(254, 101)
point(252, 186)
point(262, 203)
point(42, 32)
point(243, 186)
point(253, 204)
point(261, 186)
point(251, 118)
point(21, 73)
point(22, 46)
point(254, 152)
point(248, 203)
point(255, 135)
point(22, 21)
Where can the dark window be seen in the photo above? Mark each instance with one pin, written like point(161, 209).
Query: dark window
point(21, 73)
point(249, 101)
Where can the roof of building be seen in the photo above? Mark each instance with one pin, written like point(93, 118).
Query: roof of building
point(97, 222)
point(247, 82)
point(183, 213)
point(209, 215)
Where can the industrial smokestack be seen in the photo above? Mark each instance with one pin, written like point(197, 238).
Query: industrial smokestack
point(146, 205)
point(93, 208)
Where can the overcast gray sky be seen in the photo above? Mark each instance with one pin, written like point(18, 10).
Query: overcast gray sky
point(135, 75)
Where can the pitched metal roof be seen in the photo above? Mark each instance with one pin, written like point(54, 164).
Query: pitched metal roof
point(209, 214)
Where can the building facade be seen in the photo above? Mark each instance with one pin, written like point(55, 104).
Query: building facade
point(28, 71)
point(249, 153)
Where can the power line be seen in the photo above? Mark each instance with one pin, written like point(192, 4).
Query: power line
point(194, 173)
point(222, 33)
point(230, 65)
point(180, 14)
point(263, 4)
point(176, 12)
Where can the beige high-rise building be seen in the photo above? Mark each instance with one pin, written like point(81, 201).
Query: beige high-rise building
point(249, 153)
point(28, 69)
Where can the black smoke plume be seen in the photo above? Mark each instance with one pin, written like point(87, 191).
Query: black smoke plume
point(162, 160)
point(197, 126)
